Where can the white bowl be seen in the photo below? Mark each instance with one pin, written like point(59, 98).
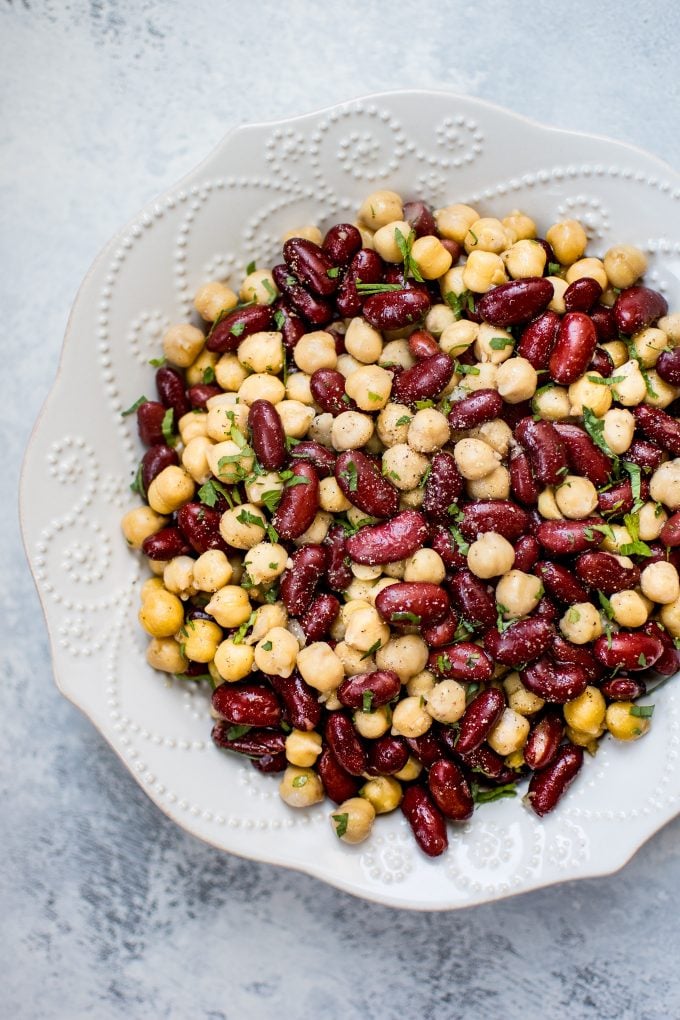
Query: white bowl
point(261, 181)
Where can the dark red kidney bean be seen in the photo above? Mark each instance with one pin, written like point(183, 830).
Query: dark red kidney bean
point(300, 579)
point(171, 392)
point(318, 617)
point(538, 340)
point(312, 266)
point(668, 366)
point(557, 682)
point(454, 249)
point(387, 755)
point(549, 255)
point(483, 759)
point(255, 743)
point(345, 744)
point(423, 345)
point(341, 243)
point(520, 642)
point(630, 651)
point(338, 573)
point(604, 322)
point(560, 582)
point(150, 417)
point(479, 719)
point(166, 544)
point(658, 426)
point(646, 455)
point(583, 456)
point(364, 485)
point(199, 395)
point(237, 325)
point(382, 684)
point(412, 603)
point(545, 449)
point(668, 662)
point(563, 538)
point(576, 341)
point(423, 381)
point(544, 740)
point(443, 487)
point(443, 542)
point(546, 609)
point(498, 515)
point(516, 301)
point(475, 409)
point(426, 748)
point(389, 541)
point(514, 413)
point(450, 790)
point(302, 708)
point(522, 482)
point(270, 763)
point(299, 503)
point(315, 310)
point(267, 434)
point(420, 218)
point(582, 295)
point(365, 267)
point(670, 533)
point(201, 527)
point(290, 324)
point(474, 599)
point(395, 309)
point(549, 784)
point(527, 551)
point(464, 661)
point(623, 688)
point(578, 655)
point(337, 783)
point(619, 499)
point(637, 307)
point(442, 633)
point(426, 821)
point(601, 362)
point(328, 389)
point(155, 460)
point(320, 456)
point(658, 552)
point(247, 704)
point(602, 570)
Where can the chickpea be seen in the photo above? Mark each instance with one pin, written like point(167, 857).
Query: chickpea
point(259, 287)
point(295, 417)
point(524, 258)
point(182, 344)
point(632, 389)
point(221, 420)
point(624, 265)
point(261, 386)
point(170, 489)
point(481, 376)
point(230, 606)
point(397, 569)
point(446, 701)
point(139, 524)
point(262, 352)
point(438, 318)
point(300, 788)
point(200, 640)
point(493, 344)
point(622, 724)
point(156, 566)
point(586, 393)
point(617, 351)
point(257, 485)
point(410, 718)
point(309, 232)
point(651, 519)
point(276, 652)
point(192, 425)
point(669, 616)
point(587, 268)
point(347, 364)
point(331, 496)
point(405, 655)
point(320, 667)
point(239, 527)
point(431, 256)
point(363, 342)
point(629, 608)
point(495, 433)
point(230, 373)
point(659, 392)
point(581, 623)
point(670, 324)
point(557, 300)
point(266, 618)
point(516, 380)
point(212, 570)
point(619, 428)
point(576, 497)
point(520, 225)
point(298, 388)
point(425, 565)
point(195, 459)
point(411, 770)
point(365, 628)
point(317, 530)
point(664, 485)
point(383, 793)
point(380, 208)
point(510, 733)
point(165, 654)
point(202, 369)
point(486, 235)
point(370, 387)
point(303, 747)
point(352, 820)
point(552, 404)
point(458, 336)
point(660, 582)
point(495, 485)
point(178, 576)
point(454, 221)
point(386, 240)
point(352, 660)
point(420, 684)
point(396, 354)
point(213, 298)
point(161, 614)
point(365, 572)
point(587, 712)
point(403, 466)
point(475, 458)
point(264, 562)
point(490, 555)
point(568, 240)
point(518, 593)
point(520, 699)
point(482, 271)
point(375, 724)
point(228, 462)
point(351, 430)
point(314, 351)
point(412, 499)
point(648, 344)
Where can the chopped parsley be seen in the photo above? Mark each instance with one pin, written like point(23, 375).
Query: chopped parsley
point(367, 701)
point(350, 476)
point(300, 781)
point(406, 617)
point(245, 517)
point(167, 427)
point(234, 732)
point(374, 648)
point(340, 823)
point(209, 374)
point(499, 343)
point(377, 288)
point(404, 420)
point(267, 646)
point(157, 362)
point(244, 628)
point(642, 711)
point(480, 796)
point(133, 407)
point(333, 272)
point(405, 245)
point(594, 426)
point(459, 303)
point(211, 492)
point(271, 499)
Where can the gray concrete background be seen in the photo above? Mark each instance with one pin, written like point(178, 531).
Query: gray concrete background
point(106, 909)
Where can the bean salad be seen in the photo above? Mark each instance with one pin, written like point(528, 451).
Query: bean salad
point(411, 504)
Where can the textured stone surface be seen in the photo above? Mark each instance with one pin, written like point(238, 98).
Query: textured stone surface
point(106, 908)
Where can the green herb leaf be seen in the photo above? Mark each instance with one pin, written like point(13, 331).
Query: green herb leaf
point(443, 663)
point(211, 491)
point(367, 701)
point(405, 244)
point(341, 823)
point(406, 617)
point(251, 267)
point(606, 605)
point(350, 476)
point(244, 628)
point(374, 648)
point(234, 732)
point(404, 420)
point(267, 646)
point(157, 362)
point(642, 711)
point(375, 397)
point(137, 485)
point(499, 343)
point(271, 499)
point(133, 408)
point(465, 369)
point(279, 319)
point(377, 288)
point(459, 303)
point(208, 375)
point(594, 426)
point(480, 796)
point(501, 624)
point(333, 273)
point(635, 478)
point(462, 545)
point(300, 781)
point(642, 660)
point(167, 427)
point(297, 480)
point(421, 405)
point(474, 237)
point(245, 517)
point(272, 533)
point(553, 268)
point(237, 329)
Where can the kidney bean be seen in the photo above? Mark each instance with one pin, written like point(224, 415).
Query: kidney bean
point(341, 243)
point(270, 763)
point(442, 633)
point(549, 784)
point(247, 704)
point(498, 515)
point(345, 744)
point(423, 345)
point(668, 366)
point(557, 682)
point(328, 389)
point(387, 755)
point(299, 503)
point(412, 602)
point(255, 743)
point(516, 301)
point(389, 541)
point(426, 821)
point(659, 552)
point(475, 409)
point(574, 347)
point(602, 570)
point(582, 295)
point(300, 579)
point(479, 719)
point(237, 325)
point(538, 340)
point(619, 499)
point(545, 449)
point(338, 573)
point(578, 655)
point(443, 542)
point(601, 362)
point(670, 533)
point(520, 642)
point(365, 267)
point(382, 684)
point(315, 310)
point(150, 417)
point(630, 651)
point(320, 456)
point(464, 661)
point(624, 688)
point(426, 748)
point(455, 250)
point(267, 435)
point(420, 218)
point(302, 709)
point(423, 381)
point(318, 617)
point(563, 538)
point(658, 426)
point(170, 386)
point(668, 662)
point(549, 255)
point(483, 760)
point(583, 456)
point(289, 323)
point(604, 322)
point(166, 544)
point(201, 527)
point(637, 307)
point(155, 460)
point(364, 485)
point(527, 551)
point(337, 783)
point(443, 487)
point(522, 481)
point(546, 610)
point(199, 395)
point(450, 790)
point(395, 309)
point(646, 455)
point(544, 740)
point(474, 599)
